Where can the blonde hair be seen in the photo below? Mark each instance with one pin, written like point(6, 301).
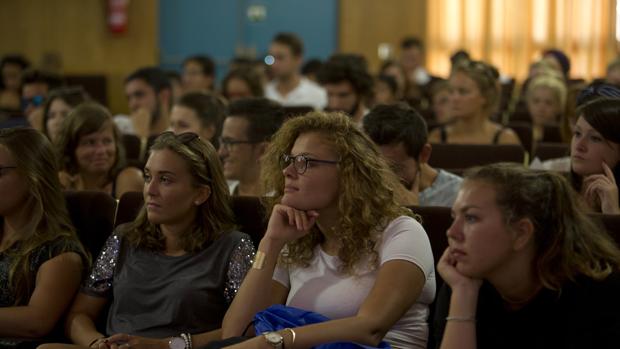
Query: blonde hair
point(553, 83)
point(486, 78)
point(214, 217)
point(568, 242)
point(49, 219)
point(366, 203)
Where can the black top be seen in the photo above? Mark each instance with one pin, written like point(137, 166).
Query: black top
point(40, 255)
point(585, 314)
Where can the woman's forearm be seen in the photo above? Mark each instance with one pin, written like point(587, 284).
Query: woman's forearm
point(460, 330)
point(255, 293)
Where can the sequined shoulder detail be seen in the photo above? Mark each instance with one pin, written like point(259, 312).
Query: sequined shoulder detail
point(238, 265)
point(99, 282)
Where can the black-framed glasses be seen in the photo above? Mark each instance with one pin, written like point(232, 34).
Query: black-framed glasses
point(300, 162)
point(2, 168)
point(228, 143)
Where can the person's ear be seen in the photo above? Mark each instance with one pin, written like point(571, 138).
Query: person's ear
point(523, 231)
point(202, 195)
point(208, 132)
point(260, 149)
point(165, 98)
point(425, 153)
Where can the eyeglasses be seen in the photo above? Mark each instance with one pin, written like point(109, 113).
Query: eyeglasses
point(300, 162)
point(228, 143)
point(2, 168)
point(35, 101)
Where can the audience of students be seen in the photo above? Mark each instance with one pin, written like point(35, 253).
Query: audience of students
point(336, 243)
point(11, 68)
point(242, 82)
point(91, 153)
point(473, 99)
point(246, 133)
point(149, 97)
point(401, 134)
point(57, 106)
point(546, 100)
point(349, 85)
point(595, 154)
point(172, 272)
point(198, 74)
point(526, 266)
point(41, 258)
point(200, 113)
point(289, 87)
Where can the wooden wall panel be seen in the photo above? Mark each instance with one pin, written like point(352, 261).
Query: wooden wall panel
point(364, 24)
point(76, 30)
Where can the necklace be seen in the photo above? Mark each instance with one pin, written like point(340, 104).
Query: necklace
point(522, 301)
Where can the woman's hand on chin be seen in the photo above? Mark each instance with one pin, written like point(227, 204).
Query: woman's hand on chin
point(287, 223)
point(455, 279)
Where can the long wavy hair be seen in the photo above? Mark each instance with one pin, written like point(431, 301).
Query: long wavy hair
point(49, 219)
point(214, 217)
point(366, 203)
point(568, 242)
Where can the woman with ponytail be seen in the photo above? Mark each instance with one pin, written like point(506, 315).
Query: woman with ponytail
point(526, 267)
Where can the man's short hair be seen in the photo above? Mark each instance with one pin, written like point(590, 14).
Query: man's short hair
point(292, 41)
point(206, 64)
point(264, 117)
point(396, 123)
point(33, 76)
point(347, 67)
point(411, 42)
point(153, 76)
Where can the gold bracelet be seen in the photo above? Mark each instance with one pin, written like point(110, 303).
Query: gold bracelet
point(259, 260)
point(292, 334)
point(461, 318)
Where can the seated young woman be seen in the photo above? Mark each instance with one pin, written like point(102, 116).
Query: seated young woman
point(337, 243)
point(92, 154)
point(41, 258)
point(473, 99)
point(57, 106)
point(526, 267)
point(546, 102)
point(169, 276)
point(595, 154)
point(201, 113)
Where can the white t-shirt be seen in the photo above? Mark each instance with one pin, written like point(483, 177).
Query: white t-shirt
point(321, 288)
point(307, 93)
point(124, 124)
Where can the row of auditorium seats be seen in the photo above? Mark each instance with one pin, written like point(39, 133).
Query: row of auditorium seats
point(451, 157)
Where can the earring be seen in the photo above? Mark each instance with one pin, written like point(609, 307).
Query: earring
point(197, 202)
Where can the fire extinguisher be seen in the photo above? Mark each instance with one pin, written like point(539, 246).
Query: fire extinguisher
point(118, 15)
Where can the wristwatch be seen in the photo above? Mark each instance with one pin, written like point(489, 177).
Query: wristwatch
point(275, 339)
point(176, 343)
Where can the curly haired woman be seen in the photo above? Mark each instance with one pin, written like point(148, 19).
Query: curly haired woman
point(337, 243)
